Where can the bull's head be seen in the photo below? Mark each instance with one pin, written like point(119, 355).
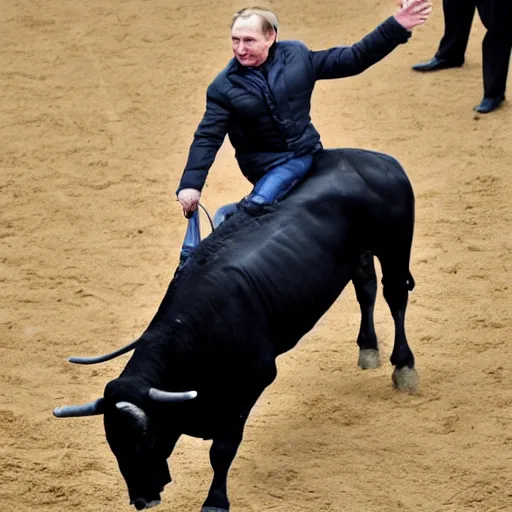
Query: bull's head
point(136, 432)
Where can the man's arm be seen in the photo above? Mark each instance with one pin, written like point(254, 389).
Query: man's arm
point(208, 138)
point(344, 61)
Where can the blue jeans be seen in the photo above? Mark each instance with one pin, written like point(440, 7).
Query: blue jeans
point(277, 182)
point(273, 186)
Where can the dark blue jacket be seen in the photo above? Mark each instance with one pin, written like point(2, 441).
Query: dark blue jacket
point(266, 111)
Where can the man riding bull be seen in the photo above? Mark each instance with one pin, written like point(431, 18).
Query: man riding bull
point(262, 100)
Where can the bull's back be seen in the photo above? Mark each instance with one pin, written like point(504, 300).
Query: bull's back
point(354, 180)
point(290, 264)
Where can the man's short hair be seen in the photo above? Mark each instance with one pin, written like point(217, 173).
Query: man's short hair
point(269, 20)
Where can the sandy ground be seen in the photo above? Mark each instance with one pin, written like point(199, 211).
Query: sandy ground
point(99, 100)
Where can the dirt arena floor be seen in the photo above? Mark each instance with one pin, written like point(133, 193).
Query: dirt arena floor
point(99, 100)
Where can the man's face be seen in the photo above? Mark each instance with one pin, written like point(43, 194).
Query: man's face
point(250, 44)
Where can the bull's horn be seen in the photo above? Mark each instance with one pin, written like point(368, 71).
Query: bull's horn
point(166, 396)
point(105, 357)
point(75, 411)
point(135, 412)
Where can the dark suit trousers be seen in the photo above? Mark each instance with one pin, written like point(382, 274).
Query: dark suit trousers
point(496, 16)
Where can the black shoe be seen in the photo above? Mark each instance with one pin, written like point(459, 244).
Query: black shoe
point(435, 64)
point(489, 104)
point(251, 207)
point(255, 209)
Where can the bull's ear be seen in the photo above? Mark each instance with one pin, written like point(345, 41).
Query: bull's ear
point(74, 411)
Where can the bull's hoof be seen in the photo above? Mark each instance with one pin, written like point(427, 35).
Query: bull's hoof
point(214, 509)
point(369, 358)
point(406, 379)
point(142, 504)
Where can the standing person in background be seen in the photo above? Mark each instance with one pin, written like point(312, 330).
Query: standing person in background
point(496, 16)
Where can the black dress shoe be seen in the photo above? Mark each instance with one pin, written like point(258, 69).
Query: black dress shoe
point(435, 64)
point(489, 104)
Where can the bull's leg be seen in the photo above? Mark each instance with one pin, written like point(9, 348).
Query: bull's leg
point(225, 445)
point(397, 282)
point(365, 285)
point(222, 454)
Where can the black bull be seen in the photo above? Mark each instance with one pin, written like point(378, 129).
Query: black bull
point(249, 293)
